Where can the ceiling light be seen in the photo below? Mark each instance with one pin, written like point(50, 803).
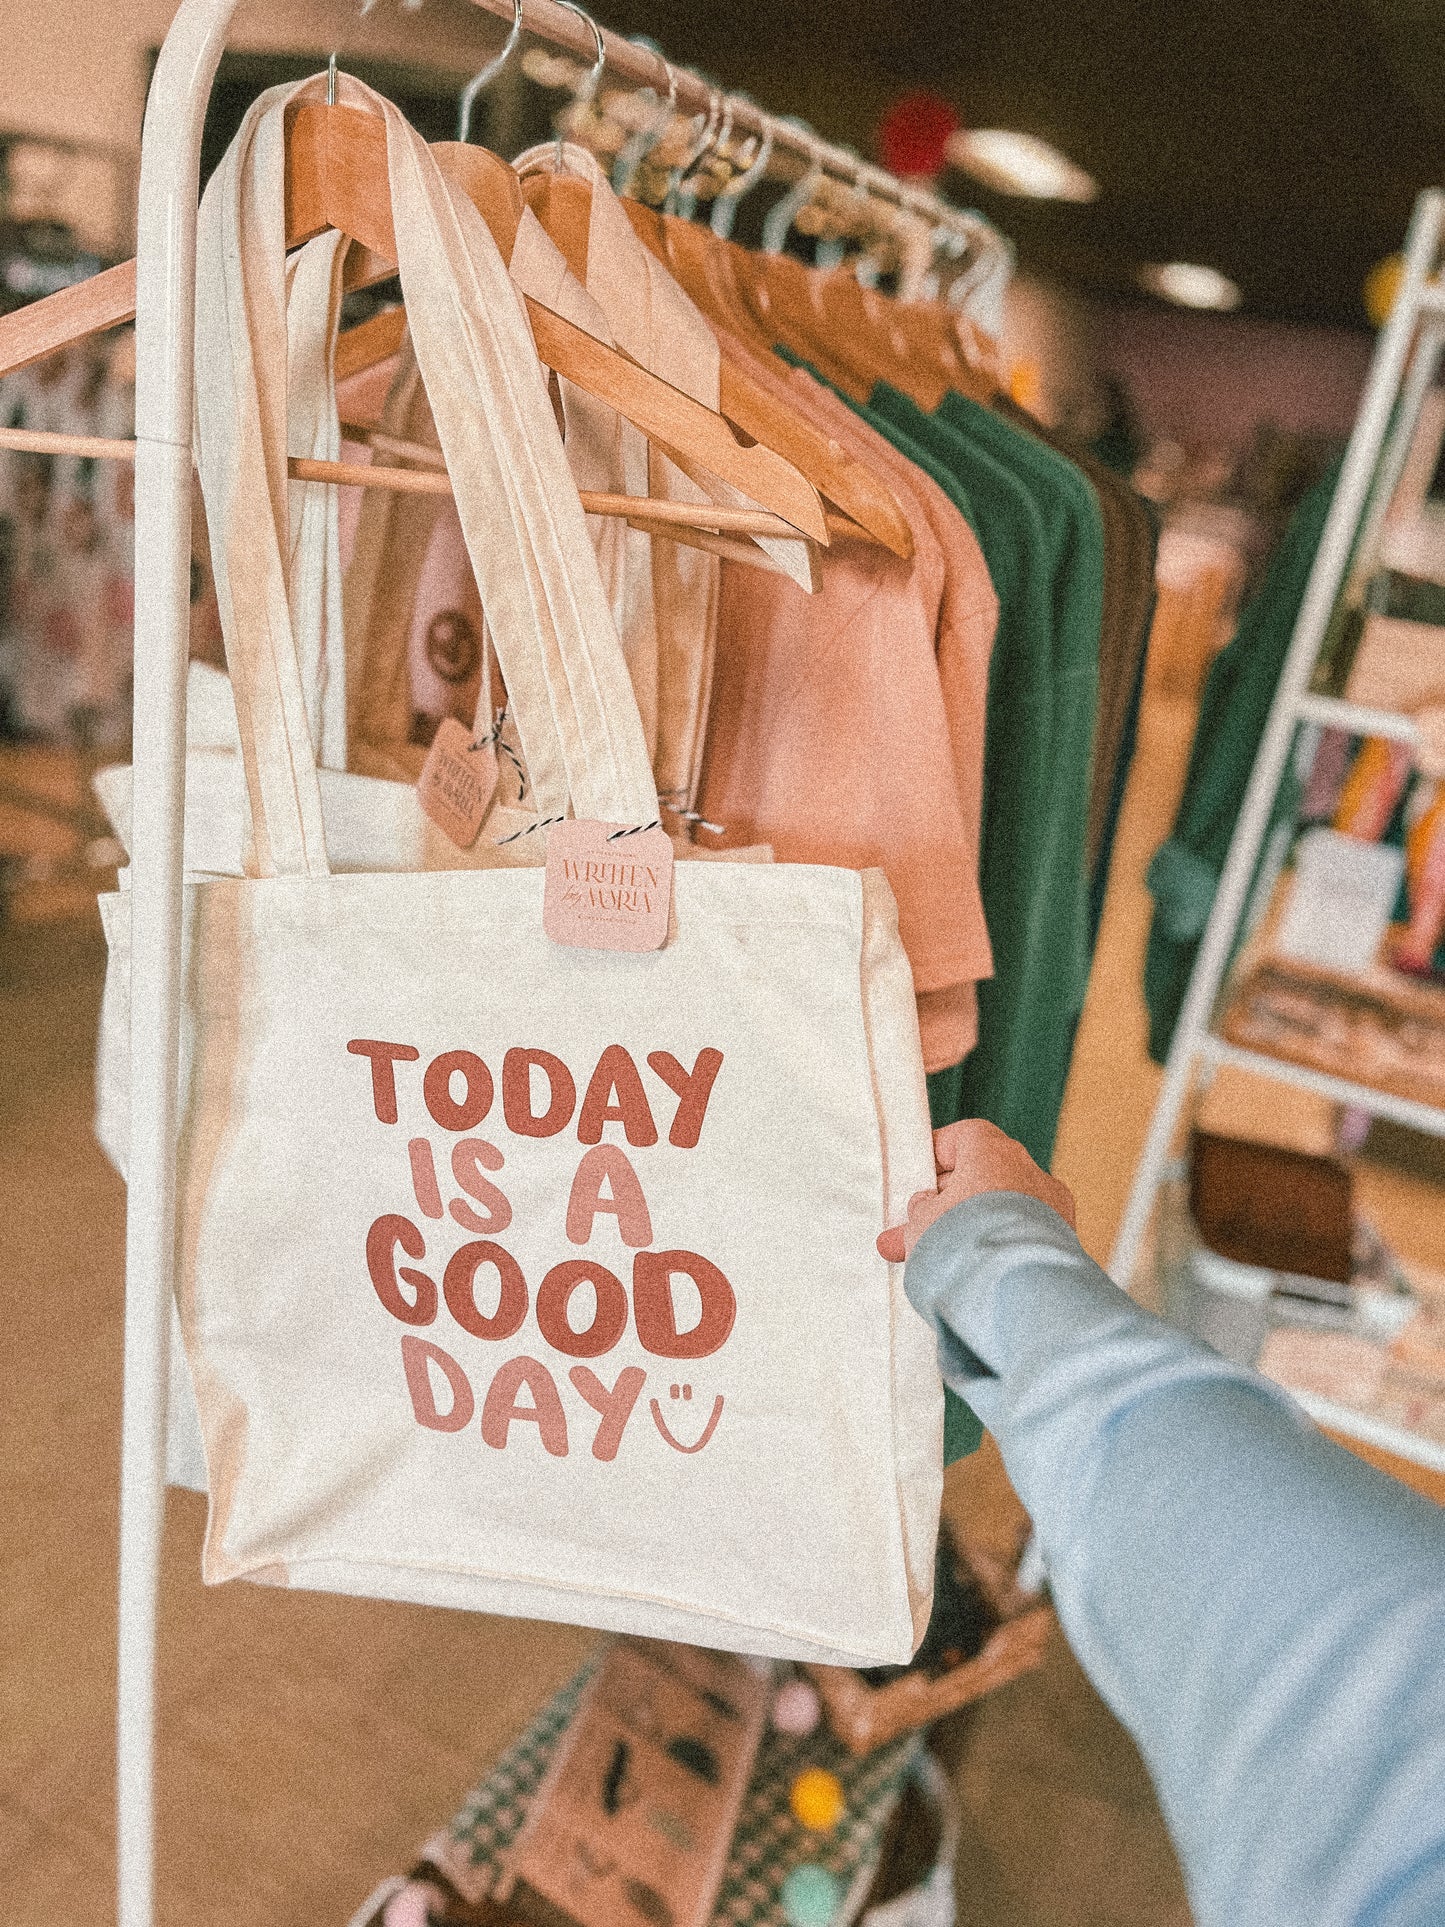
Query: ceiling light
point(1190, 286)
point(1019, 164)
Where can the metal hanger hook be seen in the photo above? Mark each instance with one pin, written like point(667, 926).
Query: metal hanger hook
point(634, 153)
point(781, 216)
point(587, 92)
point(722, 133)
point(487, 75)
point(696, 151)
point(984, 250)
point(729, 196)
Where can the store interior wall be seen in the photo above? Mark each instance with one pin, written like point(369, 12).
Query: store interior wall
point(1204, 381)
point(1199, 377)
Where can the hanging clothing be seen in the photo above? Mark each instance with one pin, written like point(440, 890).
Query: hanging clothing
point(66, 558)
point(1041, 700)
point(948, 580)
point(847, 727)
point(1131, 540)
point(831, 744)
point(1233, 711)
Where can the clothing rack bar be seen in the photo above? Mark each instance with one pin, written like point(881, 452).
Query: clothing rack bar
point(796, 149)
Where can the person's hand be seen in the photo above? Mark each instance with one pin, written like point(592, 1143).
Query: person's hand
point(973, 1157)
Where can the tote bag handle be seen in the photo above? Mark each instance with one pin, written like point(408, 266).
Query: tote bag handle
point(517, 502)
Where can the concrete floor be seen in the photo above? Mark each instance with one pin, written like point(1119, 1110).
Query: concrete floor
point(307, 1743)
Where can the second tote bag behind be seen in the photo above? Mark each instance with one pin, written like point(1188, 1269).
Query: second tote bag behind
point(515, 1276)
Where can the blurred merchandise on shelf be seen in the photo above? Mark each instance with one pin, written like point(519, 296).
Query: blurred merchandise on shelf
point(1375, 1029)
point(1373, 1342)
point(455, 1879)
point(639, 1804)
point(1271, 1207)
point(67, 523)
point(56, 849)
point(65, 207)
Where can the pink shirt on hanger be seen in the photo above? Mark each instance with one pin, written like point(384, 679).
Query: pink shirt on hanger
point(831, 738)
point(967, 622)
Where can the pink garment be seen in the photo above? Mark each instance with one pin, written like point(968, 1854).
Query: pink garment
point(833, 740)
point(444, 631)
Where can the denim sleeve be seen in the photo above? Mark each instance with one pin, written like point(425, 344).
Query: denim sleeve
point(1263, 1611)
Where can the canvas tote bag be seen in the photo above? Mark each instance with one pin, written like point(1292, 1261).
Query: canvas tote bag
point(354, 672)
point(513, 1276)
point(350, 628)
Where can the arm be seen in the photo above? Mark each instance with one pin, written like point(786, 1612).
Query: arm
point(1265, 1613)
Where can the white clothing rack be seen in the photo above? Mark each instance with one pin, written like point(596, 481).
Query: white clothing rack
point(1407, 358)
point(165, 309)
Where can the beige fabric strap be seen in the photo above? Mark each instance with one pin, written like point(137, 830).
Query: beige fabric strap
point(394, 531)
point(518, 505)
point(658, 324)
point(313, 317)
point(605, 453)
point(240, 426)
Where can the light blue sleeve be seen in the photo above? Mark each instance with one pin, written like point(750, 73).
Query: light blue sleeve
point(1263, 1611)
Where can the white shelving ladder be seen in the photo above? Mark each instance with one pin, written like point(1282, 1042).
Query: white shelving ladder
point(1406, 359)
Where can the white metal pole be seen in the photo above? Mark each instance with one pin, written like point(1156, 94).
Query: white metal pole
point(1418, 380)
point(1422, 247)
point(165, 308)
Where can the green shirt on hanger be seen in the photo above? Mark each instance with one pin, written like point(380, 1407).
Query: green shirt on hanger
point(1038, 740)
point(1044, 546)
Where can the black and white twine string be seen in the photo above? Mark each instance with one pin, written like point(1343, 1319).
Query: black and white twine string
point(495, 740)
point(542, 823)
point(685, 815)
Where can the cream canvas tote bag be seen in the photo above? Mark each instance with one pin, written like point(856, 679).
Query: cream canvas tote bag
point(513, 1276)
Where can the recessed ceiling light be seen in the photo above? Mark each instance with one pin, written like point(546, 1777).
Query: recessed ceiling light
point(1019, 164)
point(1190, 286)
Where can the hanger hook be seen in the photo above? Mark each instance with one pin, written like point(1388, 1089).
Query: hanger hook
point(696, 151)
point(635, 150)
point(780, 217)
point(487, 75)
point(729, 196)
point(587, 93)
point(991, 253)
point(722, 133)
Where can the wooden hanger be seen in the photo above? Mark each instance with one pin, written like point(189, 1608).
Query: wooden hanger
point(653, 515)
point(704, 523)
point(563, 207)
point(336, 176)
point(562, 203)
point(855, 336)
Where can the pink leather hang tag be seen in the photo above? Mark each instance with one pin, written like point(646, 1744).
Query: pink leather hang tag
point(609, 886)
point(457, 782)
